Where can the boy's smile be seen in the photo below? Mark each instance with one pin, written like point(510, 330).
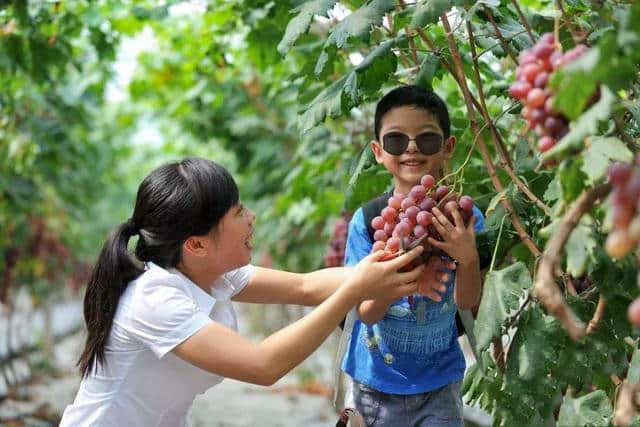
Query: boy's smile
point(407, 168)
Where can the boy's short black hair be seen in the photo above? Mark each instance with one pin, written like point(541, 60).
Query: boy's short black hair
point(416, 96)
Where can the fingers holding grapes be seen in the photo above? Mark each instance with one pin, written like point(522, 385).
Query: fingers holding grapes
point(384, 279)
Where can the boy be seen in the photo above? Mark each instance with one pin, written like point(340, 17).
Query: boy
point(405, 362)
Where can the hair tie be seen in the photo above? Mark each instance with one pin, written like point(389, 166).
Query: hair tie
point(130, 228)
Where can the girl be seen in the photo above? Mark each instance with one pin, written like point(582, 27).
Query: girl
point(161, 326)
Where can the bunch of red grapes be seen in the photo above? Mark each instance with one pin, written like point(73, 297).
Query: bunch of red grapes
point(407, 218)
point(534, 71)
point(334, 257)
point(625, 179)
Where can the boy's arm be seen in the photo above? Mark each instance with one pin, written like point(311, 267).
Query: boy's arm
point(460, 244)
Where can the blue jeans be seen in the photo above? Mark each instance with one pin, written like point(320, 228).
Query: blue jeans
point(438, 408)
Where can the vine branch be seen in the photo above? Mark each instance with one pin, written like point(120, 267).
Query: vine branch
point(545, 289)
point(523, 20)
point(505, 160)
point(517, 224)
point(504, 42)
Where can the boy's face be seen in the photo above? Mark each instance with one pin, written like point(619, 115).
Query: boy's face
point(408, 167)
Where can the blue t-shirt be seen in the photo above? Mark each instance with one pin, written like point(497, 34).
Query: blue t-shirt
point(412, 349)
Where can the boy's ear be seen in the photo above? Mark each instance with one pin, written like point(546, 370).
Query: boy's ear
point(448, 146)
point(377, 150)
point(194, 246)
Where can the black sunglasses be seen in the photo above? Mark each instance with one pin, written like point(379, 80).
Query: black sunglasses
point(396, 143)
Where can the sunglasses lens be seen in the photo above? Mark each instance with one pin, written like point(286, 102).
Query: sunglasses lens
point(429, 143)
point(395, 143)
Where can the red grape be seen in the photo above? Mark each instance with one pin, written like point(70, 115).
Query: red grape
point(466, 203)
point(378, 223)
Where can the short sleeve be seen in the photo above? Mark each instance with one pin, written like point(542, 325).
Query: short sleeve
point(358, 243)
point(479, 225)
point(164, 316)
point(239, 278)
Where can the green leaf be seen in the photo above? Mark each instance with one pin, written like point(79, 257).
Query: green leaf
point(575, 84)
point(531, 354)
point(586, 125)
point(495, 200)
point(300, 23)
point(554, 191)
point(580, 247)
point(600, 154)
point(633, 375)
point(591, 409)
point(428, 69)
point(503, 292)
point(358, 24)
point(364, 80)
point(428, 11)
point(367, 181)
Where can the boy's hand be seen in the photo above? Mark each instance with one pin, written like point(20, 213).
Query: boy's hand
point(459, 240)
point(432, 281)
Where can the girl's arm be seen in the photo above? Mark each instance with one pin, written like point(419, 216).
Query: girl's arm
point(270, 286)
point(220, 350)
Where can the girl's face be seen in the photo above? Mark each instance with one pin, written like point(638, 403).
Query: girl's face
point(231, 239)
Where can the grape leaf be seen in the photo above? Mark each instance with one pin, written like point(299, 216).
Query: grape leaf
point(580, 247)
point(349, 91)
point(300, 23)
point(586, 125)
point(530, 354)
point(358, 24)
point(368, 180)
point(428, 69)
point(427, 12)
point(591, 409)
point(600, 154)
point(503, 291)
point(633, 375)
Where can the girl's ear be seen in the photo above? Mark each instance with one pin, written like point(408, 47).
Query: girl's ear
point(377, 150)
point(194, 246)
point(448, 146)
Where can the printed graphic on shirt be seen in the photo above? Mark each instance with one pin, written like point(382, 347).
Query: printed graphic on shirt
point(421, 330)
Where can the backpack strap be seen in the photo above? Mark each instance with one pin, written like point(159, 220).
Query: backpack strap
point(372, 209)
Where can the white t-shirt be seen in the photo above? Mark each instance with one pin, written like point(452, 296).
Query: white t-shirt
point(142, 382)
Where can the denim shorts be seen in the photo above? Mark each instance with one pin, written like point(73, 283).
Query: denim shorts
point(438, 408)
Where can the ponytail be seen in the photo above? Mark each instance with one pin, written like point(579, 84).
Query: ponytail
point(112, 272)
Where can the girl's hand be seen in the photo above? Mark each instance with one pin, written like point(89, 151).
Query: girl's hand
point(373, 279)
point(459, 240)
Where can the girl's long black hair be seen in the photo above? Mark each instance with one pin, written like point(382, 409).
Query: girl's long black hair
point(175, 201)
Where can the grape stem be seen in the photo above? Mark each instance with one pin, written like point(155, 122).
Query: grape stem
point(577, 38)
point(504, 42)
point(523, 20)
point(392, 33)
point(517, 224)
point(597, 316)
point(545, 289)
point(410, 37)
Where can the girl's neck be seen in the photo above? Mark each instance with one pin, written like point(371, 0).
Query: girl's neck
point(203, 277)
